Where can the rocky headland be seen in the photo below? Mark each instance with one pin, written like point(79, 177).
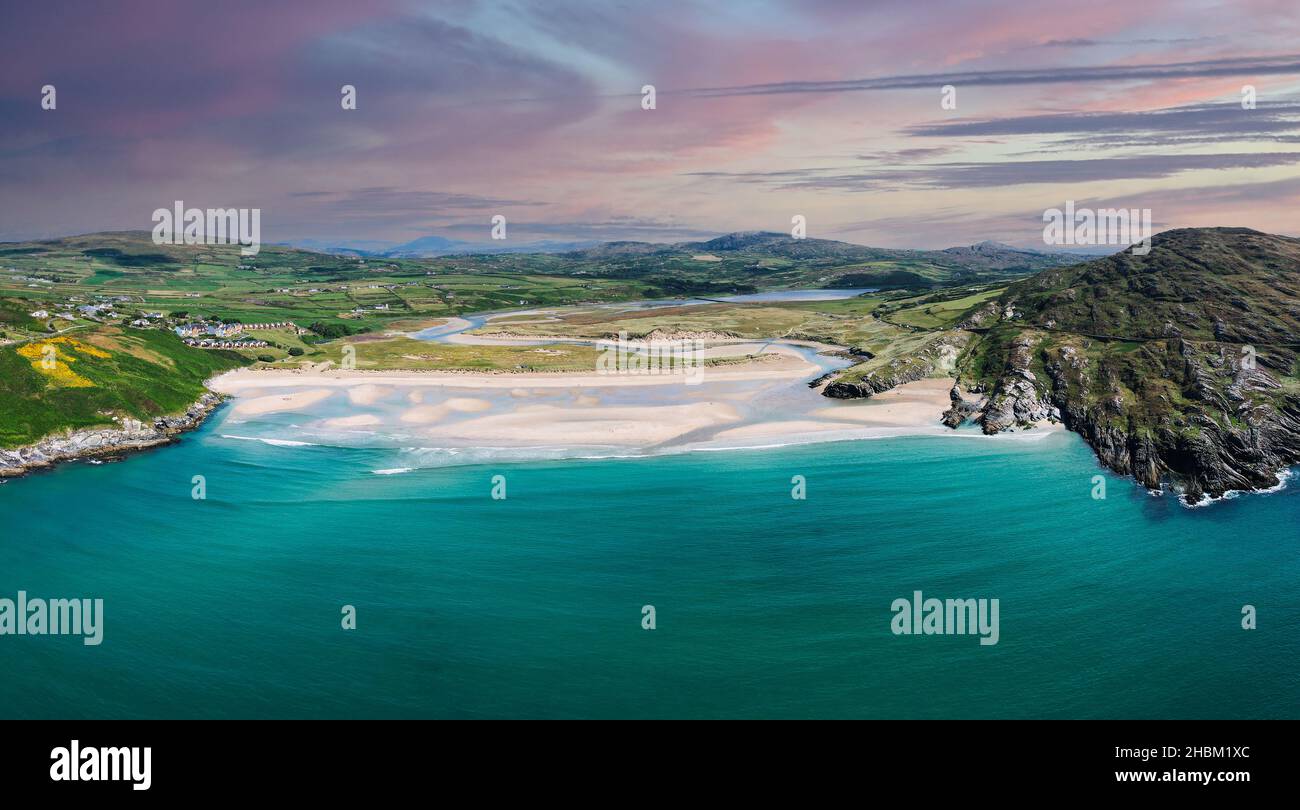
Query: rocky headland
point(130, 436)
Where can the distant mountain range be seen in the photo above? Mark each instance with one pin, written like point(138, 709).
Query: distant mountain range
point(987, 254)
point(431, 246)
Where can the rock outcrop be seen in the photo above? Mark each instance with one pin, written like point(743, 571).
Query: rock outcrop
point(105, 442)
point(961, 410)
point(1223, 437)
point(1016, 399)
point(1181, 367)
point(935, 357)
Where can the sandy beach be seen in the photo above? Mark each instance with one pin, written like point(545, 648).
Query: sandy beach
point(747, 403)
point(258, 406)
point(779, 365)
point(586, 408)
point(626, 426)
point(917, 403)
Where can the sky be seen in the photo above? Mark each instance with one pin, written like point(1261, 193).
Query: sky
point(764, 110)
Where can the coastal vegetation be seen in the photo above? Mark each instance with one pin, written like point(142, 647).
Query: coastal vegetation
point(103, 376)
point(1179, 366)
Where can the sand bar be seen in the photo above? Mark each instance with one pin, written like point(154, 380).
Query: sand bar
point(782, 365)
point(276, 403)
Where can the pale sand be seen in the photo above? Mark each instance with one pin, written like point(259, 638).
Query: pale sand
point(360, 420)
point(632, 426)
point(786, 365)
point(367, 394)
point(914, 404)
point(454, 323)
point(468, 404)
point(423, 414)
point(282, 402)
point(772, 430)
point(724, 350)
point(579, 418)
point(912, 408)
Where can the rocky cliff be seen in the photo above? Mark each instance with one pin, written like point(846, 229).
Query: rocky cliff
point(1179, 367)
point(103, 442)
point(935, 355)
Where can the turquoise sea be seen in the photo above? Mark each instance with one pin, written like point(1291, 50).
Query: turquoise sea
point(530, 606)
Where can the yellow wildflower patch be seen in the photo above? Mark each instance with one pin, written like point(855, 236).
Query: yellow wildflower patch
point(77, 345)
point(56, 364)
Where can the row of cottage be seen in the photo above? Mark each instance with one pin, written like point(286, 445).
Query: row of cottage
point(222, 330)
point(207, 343)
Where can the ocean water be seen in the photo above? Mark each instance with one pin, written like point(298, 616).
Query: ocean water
point(531, 606)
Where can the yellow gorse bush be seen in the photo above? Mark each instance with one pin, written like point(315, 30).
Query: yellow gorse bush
point(60, 372)
point(83, 348)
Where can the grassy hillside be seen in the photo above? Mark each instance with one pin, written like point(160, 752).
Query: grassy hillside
point(1229, 284)
point(278, 284)
point(86, 377)
point(101, 369)
point(747, 261)
point(367, 293)
point(1180, 365)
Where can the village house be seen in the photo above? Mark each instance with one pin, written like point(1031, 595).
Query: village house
point(279, 325)
point(221, 330)
point(226, 344)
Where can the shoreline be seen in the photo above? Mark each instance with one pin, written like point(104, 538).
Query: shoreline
point(786, 365)
point(584, 415)
point(92, 443)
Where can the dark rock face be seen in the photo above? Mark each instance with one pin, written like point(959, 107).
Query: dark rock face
point(861, 389)
point(1015, 399)
point(1178, 367)
point(105, 442)
point(1221, 439)
point(961, 409)
point(935, 357)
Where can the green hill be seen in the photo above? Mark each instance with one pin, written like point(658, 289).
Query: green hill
point(85, 377)
point(765, 258)
point(1179, 366)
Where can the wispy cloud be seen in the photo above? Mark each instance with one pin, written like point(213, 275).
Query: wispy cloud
point(467, 108)
point(1198, 120)
point(1206, 68)
point(1007, 172)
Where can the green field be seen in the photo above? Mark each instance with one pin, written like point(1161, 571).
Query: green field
point(397, 353)
point(277, 285)
point(101, 373)
point(937, 311)
point(369, 303)
point(876, 322)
